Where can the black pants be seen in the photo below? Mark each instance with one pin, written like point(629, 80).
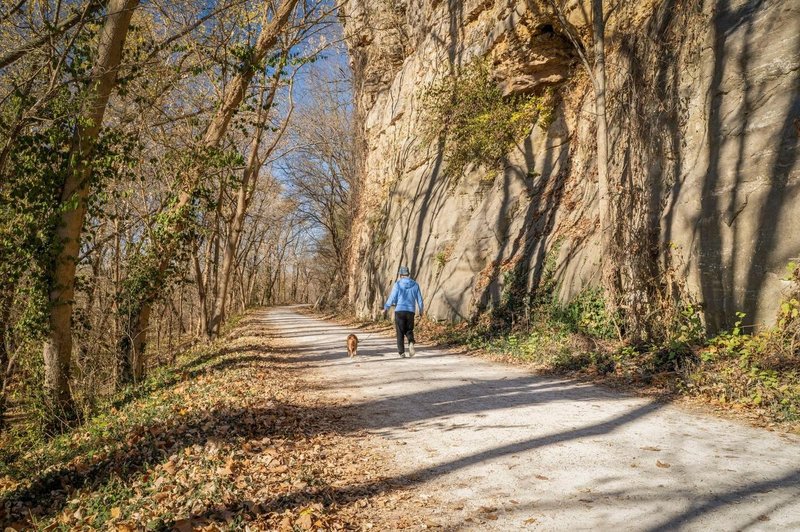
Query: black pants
point(404, 325)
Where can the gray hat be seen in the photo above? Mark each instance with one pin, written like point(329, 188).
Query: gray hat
point(403, 270)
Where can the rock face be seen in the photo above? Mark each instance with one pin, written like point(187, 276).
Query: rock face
point(704, 117)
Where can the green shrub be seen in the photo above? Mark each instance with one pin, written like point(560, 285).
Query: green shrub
point(479, 124)
point(442, 258)
point(586, 313)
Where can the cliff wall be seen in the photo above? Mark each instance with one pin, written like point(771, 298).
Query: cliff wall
point(704, 116)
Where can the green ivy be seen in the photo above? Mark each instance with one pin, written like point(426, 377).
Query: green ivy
point(587, 313)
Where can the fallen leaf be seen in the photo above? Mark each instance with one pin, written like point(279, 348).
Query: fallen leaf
point(305, 522)
point(542, 477)
point(116, 513)
point(661, 464)
point(183, 525)
point(650, 448)
point(279, 469)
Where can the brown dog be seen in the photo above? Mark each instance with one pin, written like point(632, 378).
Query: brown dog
point(352, 345)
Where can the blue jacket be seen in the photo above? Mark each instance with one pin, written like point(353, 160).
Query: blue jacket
point(405, 293)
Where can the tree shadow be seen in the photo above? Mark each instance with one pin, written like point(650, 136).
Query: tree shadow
point(329, 495)
point(516, 271)
point(707, 505)
point(738, 254)
point(154, 442)
point(162, 437)
point(445, 400)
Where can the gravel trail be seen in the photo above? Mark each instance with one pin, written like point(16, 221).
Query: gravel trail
point(497, 448)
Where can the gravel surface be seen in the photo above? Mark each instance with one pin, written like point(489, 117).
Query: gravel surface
point(500, 449)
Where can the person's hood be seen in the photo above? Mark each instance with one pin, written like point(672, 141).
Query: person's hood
point(406, 282)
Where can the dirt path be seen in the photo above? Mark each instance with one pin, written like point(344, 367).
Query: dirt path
point(500, 449)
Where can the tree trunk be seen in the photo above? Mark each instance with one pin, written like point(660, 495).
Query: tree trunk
point(117, 260)
point(203, 277)
point(266, 293)
point(603, 201)
point(203, 281)
point(249, 176)
point(242, 295)
point(74, 196)
point(214, 287)
point(132, 346)
point(169, 327)
point(5, 362)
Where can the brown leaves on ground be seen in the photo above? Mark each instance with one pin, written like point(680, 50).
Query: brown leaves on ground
point(239, 444)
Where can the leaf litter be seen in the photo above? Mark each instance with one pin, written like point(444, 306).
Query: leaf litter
point(243, 441)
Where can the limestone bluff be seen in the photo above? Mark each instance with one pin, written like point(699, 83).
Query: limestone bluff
point(704, 119)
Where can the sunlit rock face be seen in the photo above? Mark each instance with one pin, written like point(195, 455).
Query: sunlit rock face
point(704, 119)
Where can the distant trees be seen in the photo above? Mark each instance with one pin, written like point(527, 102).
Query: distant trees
point(244, 194)
point(321, 173)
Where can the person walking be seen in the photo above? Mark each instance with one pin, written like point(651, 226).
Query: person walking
point(404, 297)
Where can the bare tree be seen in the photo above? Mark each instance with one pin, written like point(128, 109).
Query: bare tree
point(244, 195)
point(322, 173)
point(52, 32)
point(596, 70)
